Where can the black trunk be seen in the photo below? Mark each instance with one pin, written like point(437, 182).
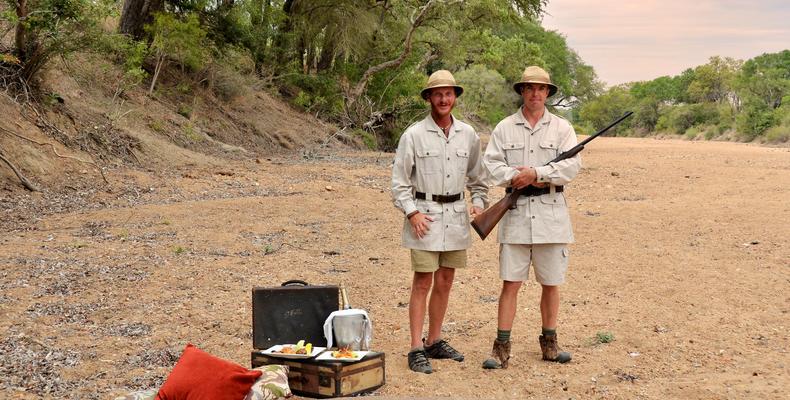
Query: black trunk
point(136, 14)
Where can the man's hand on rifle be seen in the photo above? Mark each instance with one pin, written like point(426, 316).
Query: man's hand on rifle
point(420, 224)
point(526, 176)
point(475, 211)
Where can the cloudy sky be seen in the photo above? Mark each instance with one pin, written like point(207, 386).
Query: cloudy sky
point(641, 40)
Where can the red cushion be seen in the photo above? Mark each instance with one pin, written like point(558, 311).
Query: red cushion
point(199, 375)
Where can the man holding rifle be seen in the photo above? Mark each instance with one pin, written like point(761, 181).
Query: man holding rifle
point(436, 158)
point(538, 230)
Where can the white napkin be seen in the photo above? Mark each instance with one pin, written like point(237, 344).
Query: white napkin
point(353, 311)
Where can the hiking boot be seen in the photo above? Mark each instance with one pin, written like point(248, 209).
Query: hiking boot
point(500, 355)
point(551, 351)
point(418, 362)
point(442, 349)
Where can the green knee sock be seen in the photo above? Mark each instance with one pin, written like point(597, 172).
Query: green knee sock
point(549, 332)
point(502, 336)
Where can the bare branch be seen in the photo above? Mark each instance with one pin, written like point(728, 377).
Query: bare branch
point(359, 88)
point(56, 151)
point(29, 185)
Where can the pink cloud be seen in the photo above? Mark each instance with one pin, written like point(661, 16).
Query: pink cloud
point(643, 40)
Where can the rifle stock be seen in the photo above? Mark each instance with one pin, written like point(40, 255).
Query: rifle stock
point(485, 222)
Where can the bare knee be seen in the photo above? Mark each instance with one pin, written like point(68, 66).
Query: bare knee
point(550, 289)
point(510, 288)
point(443, 279)
point(421, 283)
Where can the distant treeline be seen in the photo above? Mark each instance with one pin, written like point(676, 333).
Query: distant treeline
point(724, 98)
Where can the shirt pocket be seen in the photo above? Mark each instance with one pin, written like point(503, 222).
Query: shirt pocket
point(461, 216)
point(462, 159)
point(554, 206)
point(428, 161)
point(549, 149)
point(514, 153)
point(434, 210)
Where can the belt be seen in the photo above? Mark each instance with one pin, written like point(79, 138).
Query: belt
point(536, 191)
point(439, 198)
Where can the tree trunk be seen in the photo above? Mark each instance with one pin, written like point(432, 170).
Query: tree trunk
point(282, 40)
point(136, 14)
point(355, 92)
point(21, 32)
point(28, 185)
point(327, 54)
point(160, 61)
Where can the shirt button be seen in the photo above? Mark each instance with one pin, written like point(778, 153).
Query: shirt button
point(448, 176)
point(448, 158)
point(531, 151)
point(532, 200)
point(533, 217)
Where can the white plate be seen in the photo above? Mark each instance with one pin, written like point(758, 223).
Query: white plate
point(274, 352)
point(327, 356)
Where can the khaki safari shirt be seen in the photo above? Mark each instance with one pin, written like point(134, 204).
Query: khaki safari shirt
point(536, 219)
point(427, 161)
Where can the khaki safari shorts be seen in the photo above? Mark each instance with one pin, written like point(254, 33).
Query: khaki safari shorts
point(550, 262)
point(430, 261)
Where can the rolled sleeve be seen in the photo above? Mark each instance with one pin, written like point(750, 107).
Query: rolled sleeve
point(402, 187)
point(476, 176)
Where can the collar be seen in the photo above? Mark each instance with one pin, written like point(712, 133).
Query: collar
point(430, 125)
point(544, 120)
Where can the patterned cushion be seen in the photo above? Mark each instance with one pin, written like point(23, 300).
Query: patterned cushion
point(272, 385)
point(149, 394)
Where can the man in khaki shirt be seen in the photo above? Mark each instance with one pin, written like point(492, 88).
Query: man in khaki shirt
point(436, 158)
point(538, 230)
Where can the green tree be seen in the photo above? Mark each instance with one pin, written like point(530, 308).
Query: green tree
point(766, 78)
point(180, 41)
point(49, 28)
point(762, 84)
point(713, 81)
point(487, 96)
point(607, 107)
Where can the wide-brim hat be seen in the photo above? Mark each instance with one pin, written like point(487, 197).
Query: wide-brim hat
point(441, 78)
point(535, 74)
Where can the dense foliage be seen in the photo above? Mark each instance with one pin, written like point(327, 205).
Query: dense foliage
point(723, 98)
point(359, 63)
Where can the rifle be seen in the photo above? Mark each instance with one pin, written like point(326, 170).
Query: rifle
point(485, 222)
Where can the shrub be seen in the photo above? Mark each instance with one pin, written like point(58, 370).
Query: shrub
point(368, 138)
point(753, 121)
point(225, 82)
point(678, 119)
point(604, 337)
point(778, 134)
point(317, 94)
point(692, 133)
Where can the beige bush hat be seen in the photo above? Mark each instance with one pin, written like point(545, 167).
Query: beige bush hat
point(533, 74)
point(441, 78)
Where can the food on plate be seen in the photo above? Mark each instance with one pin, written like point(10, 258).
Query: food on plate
point(298, 348)
point(344, 352)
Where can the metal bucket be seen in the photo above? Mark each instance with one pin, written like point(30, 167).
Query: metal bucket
point(349, 331)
